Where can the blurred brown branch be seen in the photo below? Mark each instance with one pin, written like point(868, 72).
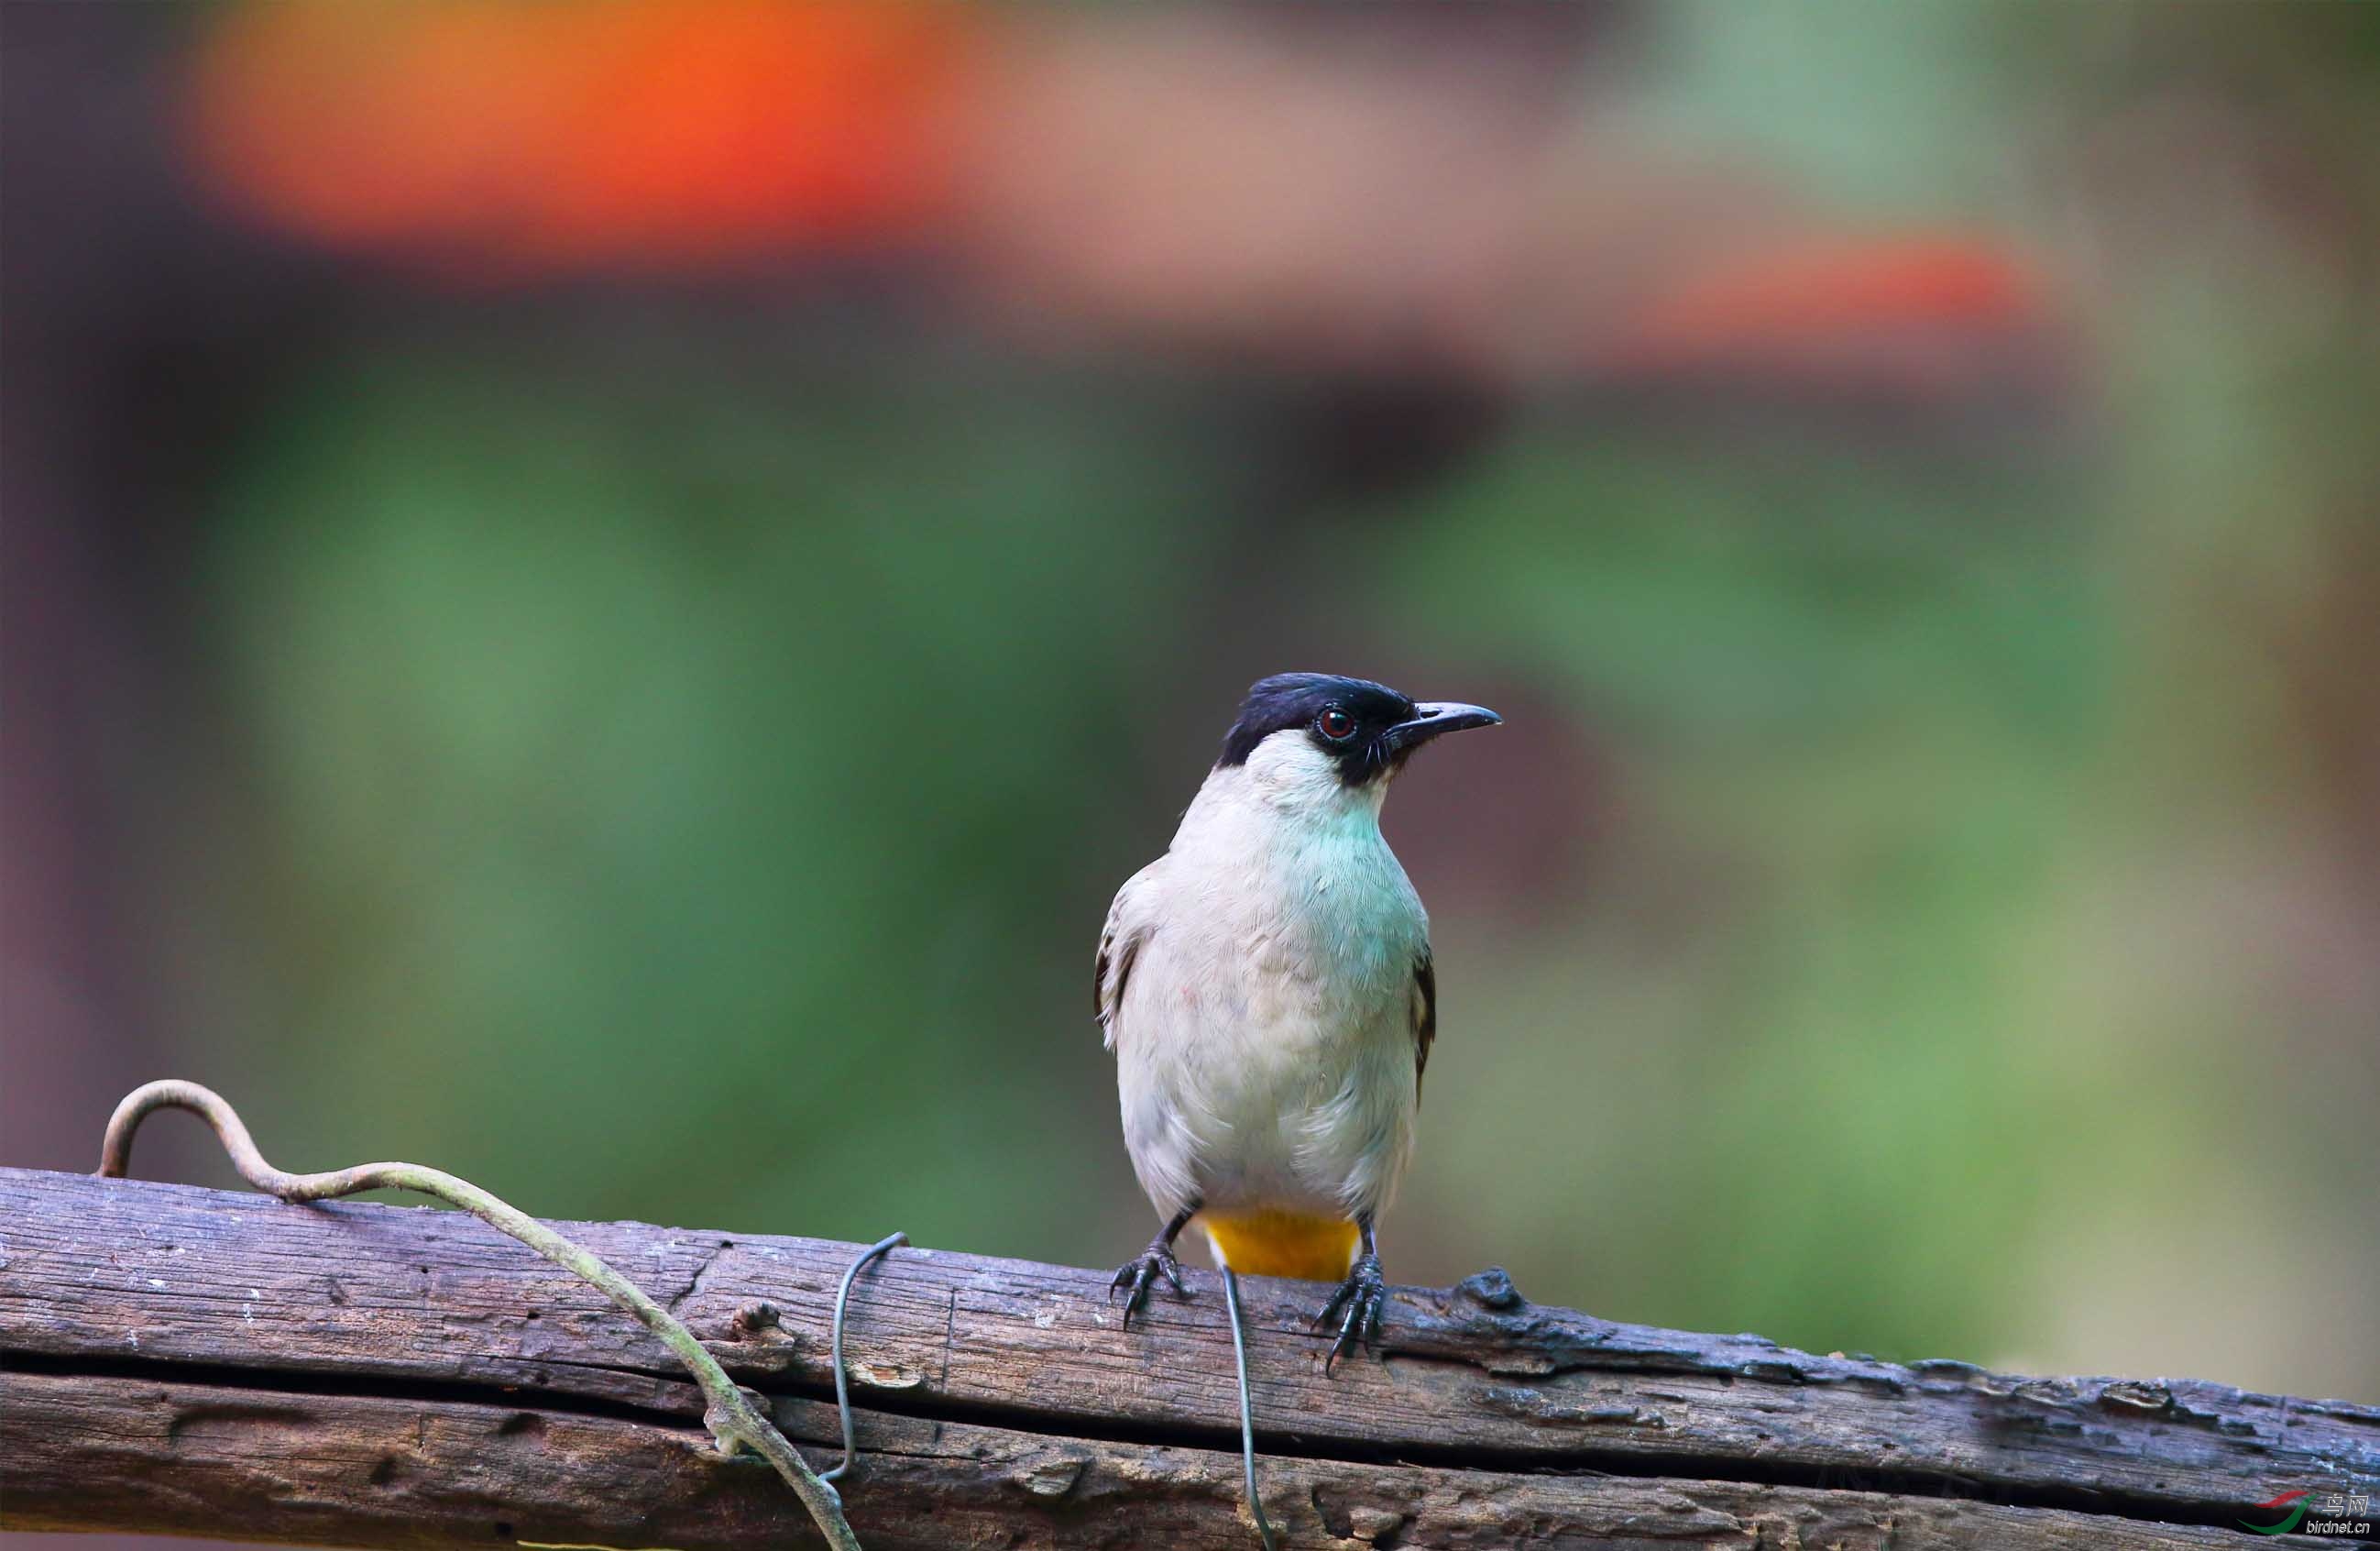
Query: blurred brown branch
point(194, 1361)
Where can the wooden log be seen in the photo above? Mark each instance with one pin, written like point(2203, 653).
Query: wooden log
point(141, 1454)
point(204, 1361)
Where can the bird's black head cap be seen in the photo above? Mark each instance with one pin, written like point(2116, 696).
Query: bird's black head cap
point(1304, 700)
point(1366, 729)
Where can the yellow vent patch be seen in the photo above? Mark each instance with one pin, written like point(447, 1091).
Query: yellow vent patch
point(1282, 1244)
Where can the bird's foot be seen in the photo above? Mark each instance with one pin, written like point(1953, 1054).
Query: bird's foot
point(1141, 1274)
point(1362, 1295)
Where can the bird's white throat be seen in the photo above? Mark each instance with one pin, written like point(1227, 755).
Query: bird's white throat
point(1290, 854)
point(1289, 783)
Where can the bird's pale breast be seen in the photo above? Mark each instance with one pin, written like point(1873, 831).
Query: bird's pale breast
point(1267, 1062)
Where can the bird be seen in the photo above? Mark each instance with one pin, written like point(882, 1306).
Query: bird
point(1266, 989)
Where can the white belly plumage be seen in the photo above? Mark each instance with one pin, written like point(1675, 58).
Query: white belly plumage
point(1258, 985)
point(1246, 1083)
point(1265, 1034)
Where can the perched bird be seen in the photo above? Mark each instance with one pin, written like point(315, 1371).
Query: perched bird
point(1266, 987)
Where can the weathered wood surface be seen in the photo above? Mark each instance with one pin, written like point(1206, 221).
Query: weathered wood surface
point(372, 1375)
point(350, 1469)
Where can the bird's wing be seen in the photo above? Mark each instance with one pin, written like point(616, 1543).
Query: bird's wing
point(1425, 1015)
point(1120, 943)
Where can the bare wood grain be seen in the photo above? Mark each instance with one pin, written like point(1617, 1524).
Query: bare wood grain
point(112, 1282)
point(371, 1471)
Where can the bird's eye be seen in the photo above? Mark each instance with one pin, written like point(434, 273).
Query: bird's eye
point(1337, 726)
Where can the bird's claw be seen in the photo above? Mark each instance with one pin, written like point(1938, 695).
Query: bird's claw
point(1141, 1273)
point(1363, 1295)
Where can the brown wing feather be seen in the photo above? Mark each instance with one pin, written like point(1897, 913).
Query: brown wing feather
point(1112, 968)
point(1424, 1016)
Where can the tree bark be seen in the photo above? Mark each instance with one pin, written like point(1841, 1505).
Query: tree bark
point(209, 1362)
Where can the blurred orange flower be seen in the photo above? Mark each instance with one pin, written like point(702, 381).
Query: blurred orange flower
point(513, 135)
point(1784, 302)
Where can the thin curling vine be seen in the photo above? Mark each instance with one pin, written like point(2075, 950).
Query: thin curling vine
point(732, 1419)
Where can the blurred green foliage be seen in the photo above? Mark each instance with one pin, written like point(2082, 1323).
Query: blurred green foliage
point(1865, 690)
point(643, 759)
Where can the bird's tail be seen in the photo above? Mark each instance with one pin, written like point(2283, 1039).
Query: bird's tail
point(1268, 1243)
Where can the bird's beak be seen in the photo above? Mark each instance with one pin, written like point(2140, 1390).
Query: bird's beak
point(1433, 717)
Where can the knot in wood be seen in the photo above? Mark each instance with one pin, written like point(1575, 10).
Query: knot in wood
point(753, 1318)
point(1491, 1289)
